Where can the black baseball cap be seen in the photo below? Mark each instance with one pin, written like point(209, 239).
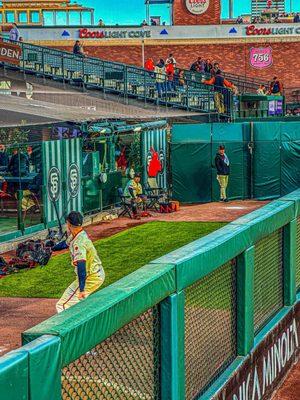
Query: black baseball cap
point(75, 218)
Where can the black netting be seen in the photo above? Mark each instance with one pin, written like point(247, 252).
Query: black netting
point(298, 256)
point(124, 366)
point(268, 278)
point(210, 328)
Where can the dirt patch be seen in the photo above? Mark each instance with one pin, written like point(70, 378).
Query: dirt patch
point(290, 389)
point(17, 314)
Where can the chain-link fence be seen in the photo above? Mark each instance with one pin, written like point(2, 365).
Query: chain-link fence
point(125, 366)
point(210, 328)
point(21, 177)
point(268, 278)
point(298, 255)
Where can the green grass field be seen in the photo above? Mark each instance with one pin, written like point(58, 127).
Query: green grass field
point(121, 254)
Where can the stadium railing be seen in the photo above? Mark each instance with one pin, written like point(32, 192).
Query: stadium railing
point(243, 83)
point(176, 328)
point(117, 78)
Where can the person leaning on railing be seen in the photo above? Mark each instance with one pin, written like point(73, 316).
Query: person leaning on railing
point(221, 94)
point(160, 77)
point(14, 33)
point(78, 49)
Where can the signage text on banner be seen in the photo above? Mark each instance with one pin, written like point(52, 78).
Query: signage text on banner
point(10, 53)
point(261, 57)
point(197, 7)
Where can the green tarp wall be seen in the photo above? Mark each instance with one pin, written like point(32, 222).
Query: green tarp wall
point(271, 172)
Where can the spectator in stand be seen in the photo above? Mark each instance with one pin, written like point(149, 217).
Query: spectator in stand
point(153, 22)
point(240, 20)
point(170, 71)
point(160, 77)
point(221, 93)
point(171, 59)
point(215, 69)
point(193, 67)
point(289, 113)
point(208, 66)
point(276, 87)
point(14, 33)
point(180, 78)
point(78, 49)
point(262, 90)
point(198, 66)
point(149, 65)
point(144, 23)
point(101, 22)
point(297, 18)
point(4, 159)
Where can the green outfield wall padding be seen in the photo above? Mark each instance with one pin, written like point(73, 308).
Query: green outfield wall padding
point(192, 174)
point(272, 171)
point(245, 311)
point(267, 163)
point(203, 256)
point(294, 197)
point(14, 376)
point(111, 308)
point(172, 347)
point(44, 362)
point(290, 161)
point(191, 133)
point(264, 221)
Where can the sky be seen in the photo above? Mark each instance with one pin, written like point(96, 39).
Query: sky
point(133, 11)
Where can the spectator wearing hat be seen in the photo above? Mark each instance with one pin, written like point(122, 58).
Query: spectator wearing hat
point(223, 171)
point(134, 191)
point(276, 87)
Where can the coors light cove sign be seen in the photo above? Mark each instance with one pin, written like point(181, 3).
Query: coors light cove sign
point(197, 7)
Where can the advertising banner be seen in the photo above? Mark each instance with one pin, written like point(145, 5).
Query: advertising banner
point(10, 53)
point(197, 7)
point(261, 57)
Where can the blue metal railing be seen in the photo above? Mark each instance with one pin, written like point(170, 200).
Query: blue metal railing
point(126, 80)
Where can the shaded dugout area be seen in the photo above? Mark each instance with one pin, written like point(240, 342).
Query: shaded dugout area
point(264, 160)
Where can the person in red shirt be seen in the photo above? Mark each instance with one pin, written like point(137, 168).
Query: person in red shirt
point(170, 71)
point(149, 65)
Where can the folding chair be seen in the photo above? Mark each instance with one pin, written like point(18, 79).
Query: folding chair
point(156, 197)
point(125, 204)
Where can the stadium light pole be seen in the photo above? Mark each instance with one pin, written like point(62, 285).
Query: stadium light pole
point(230, 9)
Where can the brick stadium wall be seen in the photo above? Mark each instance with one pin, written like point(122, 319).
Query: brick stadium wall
point(234, 57)
point(181, 15)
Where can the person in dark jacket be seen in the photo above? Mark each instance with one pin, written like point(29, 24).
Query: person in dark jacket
point(78, 49)
point(221, 96)
point(223, 171)
point(4, 159)
point(19, 164)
